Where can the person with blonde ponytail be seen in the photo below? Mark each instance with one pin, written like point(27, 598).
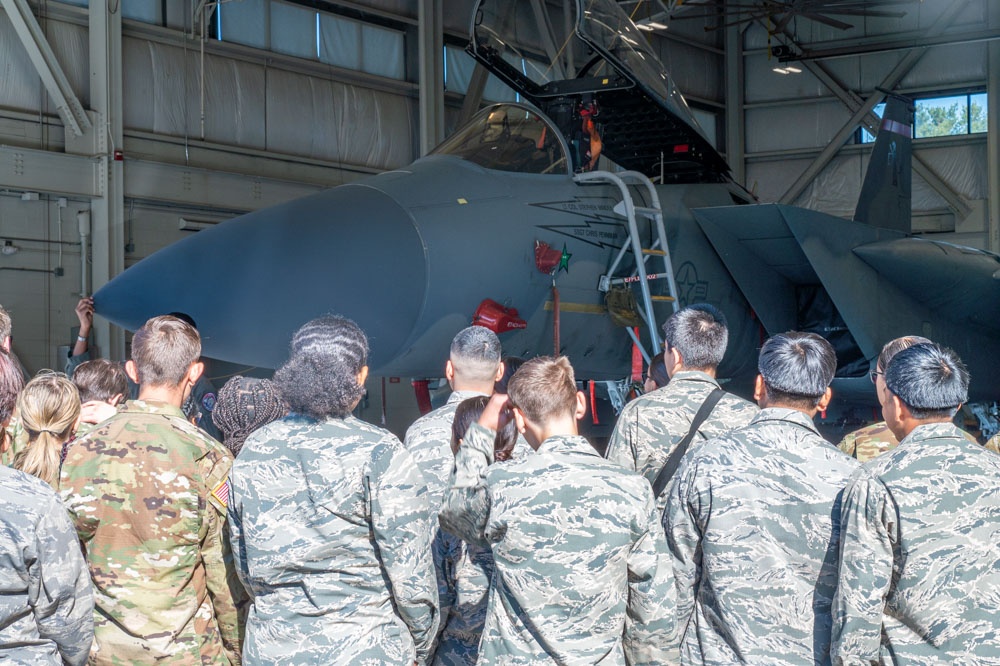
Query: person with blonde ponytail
point(49, 410)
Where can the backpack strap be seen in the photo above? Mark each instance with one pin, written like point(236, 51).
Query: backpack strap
point(674, 459)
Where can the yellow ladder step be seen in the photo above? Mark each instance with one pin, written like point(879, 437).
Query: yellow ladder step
point(665, 299)
point(657, 253)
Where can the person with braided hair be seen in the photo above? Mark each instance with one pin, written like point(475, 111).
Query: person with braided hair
point(49, 410)
point(330, 520)
point(244, 405)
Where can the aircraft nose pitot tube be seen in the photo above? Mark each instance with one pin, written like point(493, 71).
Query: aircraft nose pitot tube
point(351, 245)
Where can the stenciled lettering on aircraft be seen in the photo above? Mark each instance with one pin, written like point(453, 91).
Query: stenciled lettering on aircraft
point(600, 226)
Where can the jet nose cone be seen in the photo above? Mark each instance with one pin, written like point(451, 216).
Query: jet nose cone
point(249, 283)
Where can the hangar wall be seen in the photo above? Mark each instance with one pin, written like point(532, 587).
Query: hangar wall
point(250, 153)
point(789, 119)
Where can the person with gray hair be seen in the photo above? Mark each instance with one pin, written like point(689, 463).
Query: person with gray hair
point(753, 517)
point(652, 426)
point(919, 566)
point(329, 520)
point(5, 330)
point(472, 368)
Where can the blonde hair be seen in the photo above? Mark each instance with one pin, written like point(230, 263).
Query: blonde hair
point(48, 408)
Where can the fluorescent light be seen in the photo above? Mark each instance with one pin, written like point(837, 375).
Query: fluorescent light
point(657, 26)
point(645, 26)
point(186, 224)
point(793, 70)
point(780, 70)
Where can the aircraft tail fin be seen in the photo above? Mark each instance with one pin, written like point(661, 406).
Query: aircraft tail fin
point(886, 193)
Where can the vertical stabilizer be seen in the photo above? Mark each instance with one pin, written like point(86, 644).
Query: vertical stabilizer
point(885, 195)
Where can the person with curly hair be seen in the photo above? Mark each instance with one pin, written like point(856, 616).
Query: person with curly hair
point(330, 522)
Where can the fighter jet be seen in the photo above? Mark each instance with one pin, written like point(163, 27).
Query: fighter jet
point(507, 224)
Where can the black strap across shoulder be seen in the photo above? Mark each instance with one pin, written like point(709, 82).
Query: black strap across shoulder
point(674, 459)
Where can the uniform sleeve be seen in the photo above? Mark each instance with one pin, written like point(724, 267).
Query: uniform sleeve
point(229, 599)
point(681, 523)
point(77, 487)
point(622, 445)
point(466, 507)
point(401, 525)
point(234, 515)
point(60, 594)
point(74, 362)
point(868, 533)
point(650, 622)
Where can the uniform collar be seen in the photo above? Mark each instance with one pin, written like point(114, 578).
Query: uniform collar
point(783, 414)
point(693, 376)
point(934, 431)
point(459, 396)
point(152, 407)
point(567, 444)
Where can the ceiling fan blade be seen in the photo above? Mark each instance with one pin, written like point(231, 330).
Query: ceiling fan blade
point(826, 20)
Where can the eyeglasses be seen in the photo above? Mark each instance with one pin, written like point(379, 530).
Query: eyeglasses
point(873, 374)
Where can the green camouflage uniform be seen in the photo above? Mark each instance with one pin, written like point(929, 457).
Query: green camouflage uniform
point(47, 605)
point(651, 426)
point(582, 572)
point(17, 438)
point(331, 530)
point(148, 492)
point(753, 522)
point(919, 562)
point(868, 442)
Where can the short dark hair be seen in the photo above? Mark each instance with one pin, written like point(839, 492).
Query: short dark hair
point(100, 379)
point(544, 387)
point(797, 368)
point(893, 347)
point(320, 377)
point(699, 334)
point(475, 354)
point(929, 379)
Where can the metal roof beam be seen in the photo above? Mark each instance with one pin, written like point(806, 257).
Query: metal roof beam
point(42, 57)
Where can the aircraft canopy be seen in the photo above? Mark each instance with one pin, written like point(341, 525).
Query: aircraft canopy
point(596, 59)
point(509, 137)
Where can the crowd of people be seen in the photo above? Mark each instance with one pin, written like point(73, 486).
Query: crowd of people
point(713, 531)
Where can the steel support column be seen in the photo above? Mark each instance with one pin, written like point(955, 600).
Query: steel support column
point(44, 60)
point(901, 69)
point(474, 95)
point(735, 117)
point(993, 142)
point(108, 210)
point(431, 73)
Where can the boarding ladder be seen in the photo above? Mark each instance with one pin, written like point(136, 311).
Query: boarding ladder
point(633, 243)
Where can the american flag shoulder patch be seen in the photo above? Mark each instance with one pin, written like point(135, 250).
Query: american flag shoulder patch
point(221, 493)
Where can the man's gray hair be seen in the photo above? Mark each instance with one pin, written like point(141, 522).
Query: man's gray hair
point(475, 353)
point(699, 334)
point(931, 380)
point(797, 367)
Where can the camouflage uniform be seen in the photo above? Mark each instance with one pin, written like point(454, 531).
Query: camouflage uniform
point(993, 444)
point(148, 491)
point(868, 442)
point(17, 439)
point(582, 571)
point(331, 531)
point(47, 605)
point(919, 564)
point(429, 442)
point(874, 440)
point(464, 575)
point(650, 426)
point(753, 522)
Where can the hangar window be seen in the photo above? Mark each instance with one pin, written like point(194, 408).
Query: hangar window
point(458, 68)
point(943, 115)
point(362, 47)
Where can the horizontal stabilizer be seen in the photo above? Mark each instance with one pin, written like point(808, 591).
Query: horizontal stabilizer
point(961, 283)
